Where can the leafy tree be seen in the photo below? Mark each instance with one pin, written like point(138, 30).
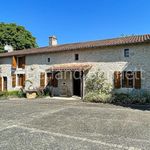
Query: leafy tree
point(16, 36)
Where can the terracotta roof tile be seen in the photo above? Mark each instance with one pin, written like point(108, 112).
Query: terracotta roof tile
point(83, 45)
point(70, 67)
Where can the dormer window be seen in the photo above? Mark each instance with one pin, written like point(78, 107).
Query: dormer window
point(76, 57)
point(126, 53)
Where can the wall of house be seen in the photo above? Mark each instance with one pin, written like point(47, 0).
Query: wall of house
point(108, 60)
point(5, 71)
point(65, 84)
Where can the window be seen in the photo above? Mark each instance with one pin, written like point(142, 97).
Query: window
point(126, 52)
point(21, 62)
point(76, 56)
point(13, 80)
point(127, 79)
point(21, 80)
point(48, 60)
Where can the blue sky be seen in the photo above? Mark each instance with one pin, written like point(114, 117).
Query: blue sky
point(78, 20)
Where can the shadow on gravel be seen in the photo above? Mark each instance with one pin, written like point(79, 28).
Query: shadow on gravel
point(135, 106)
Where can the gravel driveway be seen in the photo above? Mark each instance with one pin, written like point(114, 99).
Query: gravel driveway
point(62, 124)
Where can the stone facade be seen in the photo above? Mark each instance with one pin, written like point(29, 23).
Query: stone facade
point(108, 60)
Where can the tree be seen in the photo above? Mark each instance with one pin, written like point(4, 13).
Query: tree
point(16, 36)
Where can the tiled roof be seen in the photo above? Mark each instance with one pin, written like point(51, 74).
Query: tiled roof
point(70, 67)
point(83, 45)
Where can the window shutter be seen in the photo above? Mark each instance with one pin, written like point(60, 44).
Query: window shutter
point(13, 80)
point(23, 78)
point(137, 80)
point(117, 79)
point(42, 80)
point(0, 83)
point(14, 62)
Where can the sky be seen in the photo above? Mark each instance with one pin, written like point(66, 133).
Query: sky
point(78, 20)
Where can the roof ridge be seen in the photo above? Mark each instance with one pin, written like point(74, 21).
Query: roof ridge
point(84, 42)
point(82, 45)
point(104, 39)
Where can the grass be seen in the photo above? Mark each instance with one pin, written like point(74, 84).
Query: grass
point(11, 94)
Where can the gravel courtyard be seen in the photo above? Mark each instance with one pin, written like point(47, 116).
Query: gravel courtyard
point(71, 125)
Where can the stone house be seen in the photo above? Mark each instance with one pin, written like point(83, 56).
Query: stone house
point(125, 62)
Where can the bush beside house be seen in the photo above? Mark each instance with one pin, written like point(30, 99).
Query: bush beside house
point(99, 91)
point(137, 98)
point(98, 97)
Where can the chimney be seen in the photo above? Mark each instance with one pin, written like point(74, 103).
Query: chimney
point(52, 41)
point(8, 48)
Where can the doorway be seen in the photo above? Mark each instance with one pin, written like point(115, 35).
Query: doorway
point(5, 84)
point(77, 83)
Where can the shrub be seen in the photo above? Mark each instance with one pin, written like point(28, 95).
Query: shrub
point(97, 83)
point(98, 98)
point(121, 98)
point(2, 94)
point(131, 99)
point(21, 94)
point(97, 89)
